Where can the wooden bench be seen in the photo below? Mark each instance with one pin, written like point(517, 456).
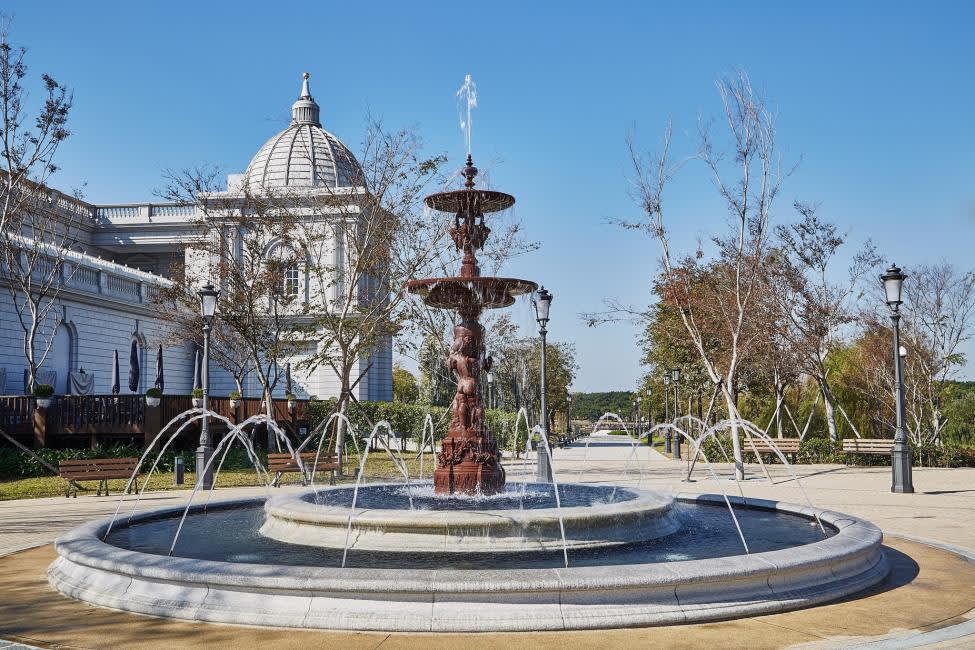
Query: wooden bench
point(95, 469)
point(284, 463)
point(785, 445)
point(868, 446)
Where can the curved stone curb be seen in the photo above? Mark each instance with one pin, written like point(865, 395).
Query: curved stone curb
point(470, 600)
point(921, 639)
point(294, 519)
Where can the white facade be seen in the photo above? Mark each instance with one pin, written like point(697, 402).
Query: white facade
point(126, 253)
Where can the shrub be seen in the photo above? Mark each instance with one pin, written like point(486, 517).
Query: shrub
point(234, 394)
point(154, 392)
point(818, 450)
point(197, 393)
point(43, 390)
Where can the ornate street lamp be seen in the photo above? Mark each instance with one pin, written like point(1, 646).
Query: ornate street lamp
point(674, 379)
point(208, 307)
point(542, 300)
point(490, 381)
point(900, 456)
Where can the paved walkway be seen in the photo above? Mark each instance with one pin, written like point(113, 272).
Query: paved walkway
point(942, 509)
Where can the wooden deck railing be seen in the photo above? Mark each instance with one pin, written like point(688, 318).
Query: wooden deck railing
point(100, 418)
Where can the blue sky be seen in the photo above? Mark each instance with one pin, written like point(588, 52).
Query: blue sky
point(875, 98)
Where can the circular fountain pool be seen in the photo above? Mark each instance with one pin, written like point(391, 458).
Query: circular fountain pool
point(225, 570)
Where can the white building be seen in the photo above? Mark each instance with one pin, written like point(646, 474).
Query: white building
point(125, 253)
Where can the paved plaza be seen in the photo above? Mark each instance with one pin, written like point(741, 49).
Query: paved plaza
point(942, 512)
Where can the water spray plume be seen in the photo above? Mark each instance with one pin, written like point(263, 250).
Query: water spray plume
point(466, 100)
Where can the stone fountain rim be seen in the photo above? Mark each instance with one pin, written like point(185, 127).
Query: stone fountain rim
point(460, 279)
point(292, 506)
point(854, 538)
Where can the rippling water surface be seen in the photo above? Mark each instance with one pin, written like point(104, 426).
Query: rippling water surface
point(231, 534)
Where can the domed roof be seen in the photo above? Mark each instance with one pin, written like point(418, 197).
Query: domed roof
point(304, 154)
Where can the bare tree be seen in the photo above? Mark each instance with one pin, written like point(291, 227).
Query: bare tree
point(379, 237)
point(939, 316)
point(817, 309)
point(38, 226)
point(244, 242)
point(747, 177)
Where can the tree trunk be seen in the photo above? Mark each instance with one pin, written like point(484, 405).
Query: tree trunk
point(779, 401)
point(272, 439)
point(340, 424)
point(830, 408)
point(735, 443)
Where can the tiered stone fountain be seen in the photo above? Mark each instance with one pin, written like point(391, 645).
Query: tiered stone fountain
point(469, 461)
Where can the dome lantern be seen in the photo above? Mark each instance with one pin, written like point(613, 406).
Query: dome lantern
point(305, 110)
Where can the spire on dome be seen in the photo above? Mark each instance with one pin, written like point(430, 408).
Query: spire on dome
point(305, 110)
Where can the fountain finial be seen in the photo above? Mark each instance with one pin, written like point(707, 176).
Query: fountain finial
point(469, 172)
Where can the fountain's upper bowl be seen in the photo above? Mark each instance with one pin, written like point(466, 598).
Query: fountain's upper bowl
point(455, 292)
point(472, 201)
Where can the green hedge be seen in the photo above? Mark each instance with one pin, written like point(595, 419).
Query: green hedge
point(822, 450)
point(14, 464)
point(408, 419)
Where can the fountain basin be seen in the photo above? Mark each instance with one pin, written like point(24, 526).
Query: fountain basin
point(464, 600)
point(306, 518)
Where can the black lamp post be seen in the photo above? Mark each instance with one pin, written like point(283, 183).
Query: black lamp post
point(208, 307)
point(649, 410)
point(669, 434)
point(638, 400)
point(568, 413)
point(542, 300)
point(900, 456)
point(674, 379)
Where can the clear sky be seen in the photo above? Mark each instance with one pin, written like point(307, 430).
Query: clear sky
point(876, 98)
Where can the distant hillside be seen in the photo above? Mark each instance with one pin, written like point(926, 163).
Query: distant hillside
point(589, 406)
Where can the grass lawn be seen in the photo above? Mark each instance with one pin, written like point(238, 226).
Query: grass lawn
point(378, 466)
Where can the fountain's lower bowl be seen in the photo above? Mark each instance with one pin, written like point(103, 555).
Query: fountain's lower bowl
point(407, 598)
point(606, 516)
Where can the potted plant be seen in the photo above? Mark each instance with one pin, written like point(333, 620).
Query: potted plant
point(234, 398)
point(291, 401)
point(153, 397)
point(43, 395)
point(197, 397)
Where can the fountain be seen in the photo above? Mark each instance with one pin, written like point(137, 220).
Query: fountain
point(469, 461)
point(470, 551)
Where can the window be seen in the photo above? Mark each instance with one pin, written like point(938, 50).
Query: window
point(291, 281)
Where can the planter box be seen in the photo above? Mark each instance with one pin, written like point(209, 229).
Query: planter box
point(153, 401)
point(197, 402)
point(44, 402)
